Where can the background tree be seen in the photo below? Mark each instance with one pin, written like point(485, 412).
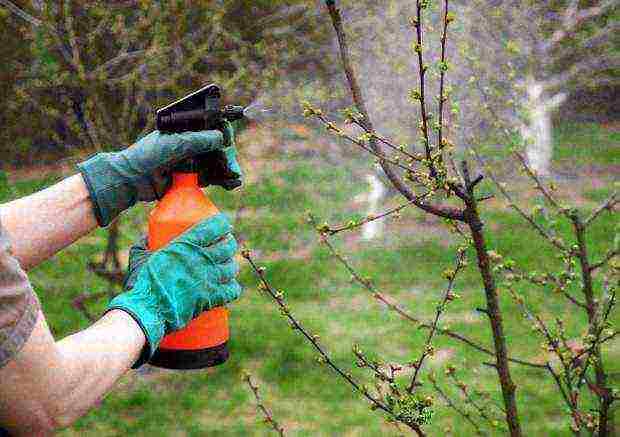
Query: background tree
point(95, 71)
point(535, 55)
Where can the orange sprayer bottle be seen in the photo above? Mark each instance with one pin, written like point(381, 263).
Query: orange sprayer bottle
point(204, 341)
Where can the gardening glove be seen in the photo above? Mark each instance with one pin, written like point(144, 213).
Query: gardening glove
point(142, 172)
point(164, 290)
point(221, 168)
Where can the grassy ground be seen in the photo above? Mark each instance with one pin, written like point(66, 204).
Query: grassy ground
point(406, 263)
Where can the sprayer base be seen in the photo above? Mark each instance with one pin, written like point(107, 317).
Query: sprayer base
point(179, 359)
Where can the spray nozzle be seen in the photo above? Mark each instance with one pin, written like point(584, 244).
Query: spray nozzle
point(200, 110)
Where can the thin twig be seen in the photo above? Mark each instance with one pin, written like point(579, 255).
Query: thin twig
point(469, 398)
point(313, 339)
point(606, 259)
point(442, 73)
point(539, 184)
point(452, 405)
point(269, 419)
point(447, 297)
point(392, 305)
point(419, 48)
point(378, 154)
point(555, 241)
point(388, 142)
point(389, 302)
point(608, 205)
point(336, 230)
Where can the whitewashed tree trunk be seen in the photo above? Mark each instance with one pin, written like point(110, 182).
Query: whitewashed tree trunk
point(538, 130)
point(375, 199)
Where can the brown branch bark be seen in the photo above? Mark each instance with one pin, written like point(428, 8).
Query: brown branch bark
point(605, 396)
point(608, 205)
point(447, 297)
point(110, 267)
point(360, 104)
point(442, 72)
point(493, 310)
point(421, 76)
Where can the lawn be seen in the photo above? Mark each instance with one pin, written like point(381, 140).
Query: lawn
point(270, 214)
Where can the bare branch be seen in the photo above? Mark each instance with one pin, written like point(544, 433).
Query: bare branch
point(419, 48)
point(447, 297)
point(442, 73)
point(539, 184)
point(608, 205)
point(608, 257)
point(313, 339)
point(482, 411)
point(452, 405)
point(36, 22)
point(358, 99)
point(584, 67)
point(555, 241)
point(117, 60)
point(392, 305)
point(574, 18)
point(502, 362)
point(356, 224)
point(261, 406)
point(20, 13)
point(387, 142)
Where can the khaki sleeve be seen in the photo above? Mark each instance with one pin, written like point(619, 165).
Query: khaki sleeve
point(19, 305)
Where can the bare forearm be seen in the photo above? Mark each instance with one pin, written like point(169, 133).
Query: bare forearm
point(95, 359)
point(49, 385)
point(47, 221)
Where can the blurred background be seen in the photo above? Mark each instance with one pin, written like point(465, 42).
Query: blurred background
point(80, 76)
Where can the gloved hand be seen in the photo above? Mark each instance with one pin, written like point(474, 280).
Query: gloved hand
point(164, 290)
point(221, 168)
point(116, 181)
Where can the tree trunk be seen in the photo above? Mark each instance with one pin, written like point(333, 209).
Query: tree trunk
point(375, 199)
point(538, 130)
point(537, 133)
point(110, 267)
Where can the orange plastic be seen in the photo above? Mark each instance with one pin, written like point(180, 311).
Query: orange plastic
point(182, 207)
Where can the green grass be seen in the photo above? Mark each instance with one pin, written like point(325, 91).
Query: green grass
point(586, 143)
point(304, 396)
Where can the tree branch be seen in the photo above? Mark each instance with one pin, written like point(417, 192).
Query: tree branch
point(261, 406)
point(313, 339)
point(452, 405)
point(493, 309)
point(358, 99)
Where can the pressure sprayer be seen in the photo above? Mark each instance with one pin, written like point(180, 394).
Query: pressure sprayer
point(204, 341)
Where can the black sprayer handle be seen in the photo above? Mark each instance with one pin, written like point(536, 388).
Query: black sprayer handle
point(198, 111)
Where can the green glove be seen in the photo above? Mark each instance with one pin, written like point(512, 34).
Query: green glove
point(116, 181)
point(167, 288)
point(221, 168)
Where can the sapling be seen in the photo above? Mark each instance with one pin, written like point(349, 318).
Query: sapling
point(430, 178)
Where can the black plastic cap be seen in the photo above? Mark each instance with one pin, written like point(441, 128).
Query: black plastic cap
point(178, 359)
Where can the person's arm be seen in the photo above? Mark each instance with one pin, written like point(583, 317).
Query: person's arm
point(46, 385)
point(49, 384)
point(45, 222)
